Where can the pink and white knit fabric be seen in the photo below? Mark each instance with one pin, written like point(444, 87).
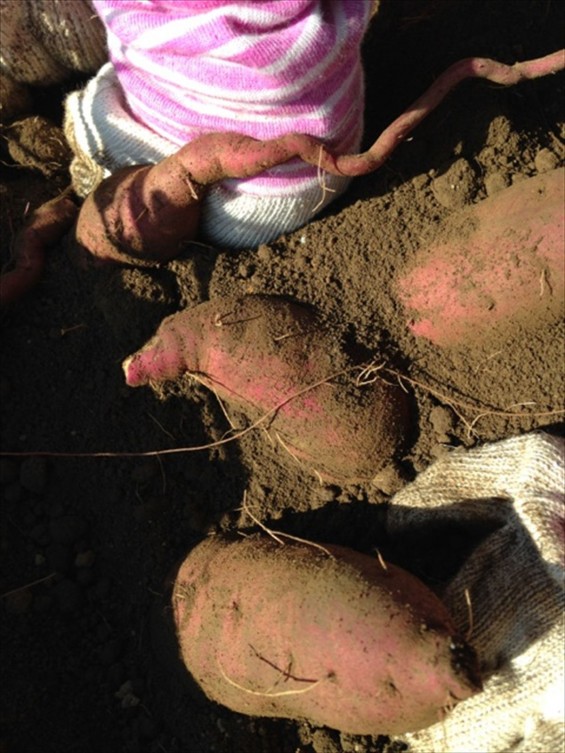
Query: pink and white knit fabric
point(181, 68)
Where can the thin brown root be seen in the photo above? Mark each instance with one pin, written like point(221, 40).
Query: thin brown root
point(270, 414)
point(306, 541)
point(319, 476)
point(220, 319)
point(290, 452)
point(286, 673)
point(222, 407)
point(457, 404)
point(275, 534)
point(195, 448)
point(286, 335)
point(448, 706)
point(191, 188)
point(168, 433)
point(443, 716)
point(322, 182)
point(163, 475)
point(265, 694)
point(369, 374)
point(27, 585)
point(141, 214)
point(262, 526)
point(66, 330)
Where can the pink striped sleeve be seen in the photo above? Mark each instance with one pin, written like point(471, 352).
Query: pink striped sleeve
point(259, 67)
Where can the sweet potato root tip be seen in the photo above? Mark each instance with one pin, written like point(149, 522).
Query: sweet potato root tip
point(399, 129)
point(45, 227)
point(271, 358)
point(153, 365)
point(318, 633)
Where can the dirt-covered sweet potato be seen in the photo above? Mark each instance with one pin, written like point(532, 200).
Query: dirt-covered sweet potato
point(45, 227)
point(269, 357)
point(500, 265)
point(321, 633)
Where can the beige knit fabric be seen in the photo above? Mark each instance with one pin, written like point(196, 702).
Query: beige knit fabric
point(43, 41)
point(514, 579)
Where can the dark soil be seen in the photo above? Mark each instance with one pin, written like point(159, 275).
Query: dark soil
point(88, 542)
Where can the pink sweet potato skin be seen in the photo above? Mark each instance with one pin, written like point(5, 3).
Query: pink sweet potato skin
point(138, 213)
point(290, 630)
point(257, 352)
point(45, 227)
point(500, 267)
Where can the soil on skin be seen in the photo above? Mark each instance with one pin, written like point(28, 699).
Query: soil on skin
point(88, 543)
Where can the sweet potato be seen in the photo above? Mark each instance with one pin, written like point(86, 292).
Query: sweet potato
point(151, 212)
point(261, 355)
point(500, 265)
point(322, 633)
point(45, 227)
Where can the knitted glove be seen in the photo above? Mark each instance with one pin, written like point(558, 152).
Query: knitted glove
point(514, 579)
point(43, 41)
point(182, 68)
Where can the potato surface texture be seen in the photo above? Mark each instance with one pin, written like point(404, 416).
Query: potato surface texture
point(325, 634)
point(269, 357)
point(501, 266)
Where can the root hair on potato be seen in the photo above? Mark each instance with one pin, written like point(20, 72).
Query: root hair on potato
point(223, 408)
point(368, 373)
point(269, 693)
point(453, 403)
point(288, 450)
point(456, 405)
point(275, 534)
point(286, 335)
point(193, 192)
point(219, 319)
point(322, 181)
point(142, 213)
point(286, 673)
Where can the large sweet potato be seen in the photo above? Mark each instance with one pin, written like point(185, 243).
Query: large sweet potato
point(262, 355)
point(500, 265)
point(325, 634)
